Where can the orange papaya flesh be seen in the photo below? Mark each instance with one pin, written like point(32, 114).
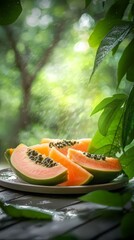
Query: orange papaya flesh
point(76, 175)
point(64, 145)
point(28, 166)
point(48, 140)
point(46, 143)
point(104, 169)
point(11, 150)
point(41, 148)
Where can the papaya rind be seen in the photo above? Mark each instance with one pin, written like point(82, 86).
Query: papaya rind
point(102, 176)
point(7, 155)
point(50, 181)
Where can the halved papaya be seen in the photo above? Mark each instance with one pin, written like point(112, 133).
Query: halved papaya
point(41, 148)
point(76, 175)
point(36, 168)
point(103, 168)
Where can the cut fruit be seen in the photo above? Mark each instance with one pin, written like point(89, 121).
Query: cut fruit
point(41, 148)
point(61, 145)
point(35, 168)
point(64, 145)
point(76, 175)
point(103, 168)
point(48, 140)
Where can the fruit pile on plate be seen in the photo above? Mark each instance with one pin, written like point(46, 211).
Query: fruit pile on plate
point(62, 162)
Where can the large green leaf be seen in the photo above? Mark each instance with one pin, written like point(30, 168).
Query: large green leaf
point(111, 105)
point(109, 102)
point(9, 11)
point(107, 198)
point(101, 30)
point(127, 162)
point(126, 60)
point(107, 117)
point(132, 10)
point(111, 143)
point(103, 144)
point(112, 18)
point(128, 121)
point(17, 211)
point(117, 9)
point(87, 3)
point(112, 39)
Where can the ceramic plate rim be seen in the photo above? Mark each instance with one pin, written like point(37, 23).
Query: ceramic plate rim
point(27, 187)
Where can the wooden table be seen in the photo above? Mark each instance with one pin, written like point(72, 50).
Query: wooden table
point(74, 219)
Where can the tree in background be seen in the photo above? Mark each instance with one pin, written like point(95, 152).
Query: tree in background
point(115, 125)
point(55, 26)
point(45, 72)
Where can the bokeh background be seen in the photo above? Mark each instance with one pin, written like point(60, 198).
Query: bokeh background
point(45, 67)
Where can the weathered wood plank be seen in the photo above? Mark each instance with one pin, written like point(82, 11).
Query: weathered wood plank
point(46, 201)
point(41, 229)
point(2, 189)
point(9, 195)
point(114, 233)
point(65, 220)
point(73, 218)
point(95, 228)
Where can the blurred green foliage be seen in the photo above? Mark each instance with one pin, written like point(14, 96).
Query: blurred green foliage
point(60, 98)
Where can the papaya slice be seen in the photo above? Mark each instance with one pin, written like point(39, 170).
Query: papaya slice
point(61, 145)
point(64, 145)
point(76, 175)
point(48, 140)
point(36, 168)
point(11, 150)
point(41, 148)
point(103, 168)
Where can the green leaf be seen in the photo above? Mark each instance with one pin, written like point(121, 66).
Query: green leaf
point(9, 11)
point(128, 121)
point(111, 143)
point(109, 102)
point(132, 9)
point(127, 162)
point(117, 9)
point(114, 50)
point(127, 225)
point(87, 3)
point(125, 61)
point(106, 118)
point(17, 211)
point(107, 198)
point(104, 144)
point(112, 39)
point(111, 105)
point(101, 30)
point(130, 73)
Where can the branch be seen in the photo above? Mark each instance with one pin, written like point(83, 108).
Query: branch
point(48, 52)
point(19, 58)
point(28, 78)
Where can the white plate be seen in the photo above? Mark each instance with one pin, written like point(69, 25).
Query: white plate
point(9, 180)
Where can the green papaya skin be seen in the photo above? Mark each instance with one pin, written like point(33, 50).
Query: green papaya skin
point(50, 181)
point(102, 171)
